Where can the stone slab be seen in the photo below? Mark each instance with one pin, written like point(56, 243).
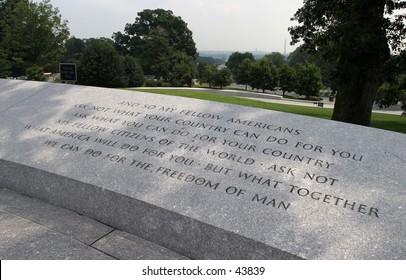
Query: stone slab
point(21, 239)
point(125, 246)
point(210, 180)
point(13, 91)
point(58, 219)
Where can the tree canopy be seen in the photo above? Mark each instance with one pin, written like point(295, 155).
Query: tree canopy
point(298, 56)
point(155, 38)
point(133, 72)
point(308, 80)
point(287, 78)
point(243, 75)
point(74, 49)
point(101, 65)
point(264, 75)
point(148, 22)
point(182, 69)
point(357, 35)
point(276, 58)
point(217, 76)
point(235, 59)
point(32, 34)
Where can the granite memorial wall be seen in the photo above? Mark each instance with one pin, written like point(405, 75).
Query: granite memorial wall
point(206, 179)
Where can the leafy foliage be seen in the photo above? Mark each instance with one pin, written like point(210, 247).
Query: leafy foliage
point(101, 65)
point(287, 78)
point(224, 78)
point(155, 38)
point(32, 34)
point(276, 58)
point(243, 75)
point(308, 80)
point(201, 71)
point(264, 75)
point(394, 88)
point(298, 56)
point(155, 59)
point(236, 59)
point(356, 35)
point(133, 72)
point(391, 94)
point(182, 69)
point(132, 41)
point(208, 60)
point(217, 77)
point(4, 64)
point(74, 49)
point(35, 73)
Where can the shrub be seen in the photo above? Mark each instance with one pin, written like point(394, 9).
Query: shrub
point(133, 72)
point(101, 65)
point(35, 73)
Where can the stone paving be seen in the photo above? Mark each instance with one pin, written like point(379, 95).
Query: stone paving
point(31, 229)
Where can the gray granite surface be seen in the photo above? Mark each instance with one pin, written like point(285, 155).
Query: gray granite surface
point(199, 177)
point(126, 246)
point(12, 92)
point(21, 239)
point(36, 235)
point(58, 219)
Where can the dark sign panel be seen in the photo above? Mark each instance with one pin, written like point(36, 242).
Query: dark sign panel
point(68, 72)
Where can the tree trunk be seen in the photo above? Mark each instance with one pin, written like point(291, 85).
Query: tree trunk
point(363, 52)
point(355, 98)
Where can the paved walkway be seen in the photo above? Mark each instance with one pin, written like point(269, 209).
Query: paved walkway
point(275, 97)
point(34, 230)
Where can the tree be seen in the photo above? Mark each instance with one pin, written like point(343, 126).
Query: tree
point(35, 73)
point(224, 78)
point(32, 34)
point(287, 78)
point(156, 58)
point(276, 58)
point(402, 92)
point(391, 93)
point(357, 35)
point(133, 72)
point(217, 77)
point(264, 75)
point(201, 71)
point(155, 38)
point(4, 65)
point(243, 72)
point(210, 74)
point(208, 60)
point(327, 67)
point(182, 70)
point(235, 59)
point(179, 37)
point(394, 88)
point(5, 7)
point(298, 56)
point(308, 80)
point(74, 49)
point(101, 65)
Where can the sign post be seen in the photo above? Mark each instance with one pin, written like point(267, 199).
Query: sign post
point(68, 72)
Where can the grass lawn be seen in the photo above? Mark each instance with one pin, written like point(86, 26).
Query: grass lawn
point(382, 121)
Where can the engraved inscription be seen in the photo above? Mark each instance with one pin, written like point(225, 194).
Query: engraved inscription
point(264, 164)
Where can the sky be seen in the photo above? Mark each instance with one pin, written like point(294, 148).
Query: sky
point(221, 25)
